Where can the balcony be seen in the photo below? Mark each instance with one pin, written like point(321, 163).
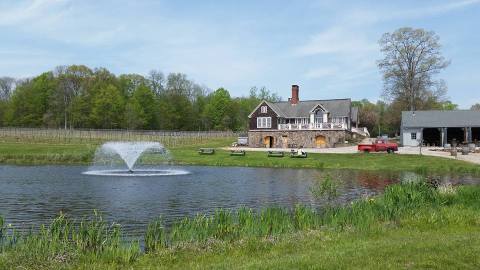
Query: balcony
point(313, 126)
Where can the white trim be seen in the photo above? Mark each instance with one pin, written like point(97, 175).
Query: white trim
point(264, 122)
point(266, 103)
point(321, 106)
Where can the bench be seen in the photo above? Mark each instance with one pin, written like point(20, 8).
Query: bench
point(206, 151)
point(237, 153)
point(276, 154)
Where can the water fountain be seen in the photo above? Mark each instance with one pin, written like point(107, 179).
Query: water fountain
point(112, 157)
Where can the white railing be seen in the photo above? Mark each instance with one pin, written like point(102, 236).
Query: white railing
point(313, 126)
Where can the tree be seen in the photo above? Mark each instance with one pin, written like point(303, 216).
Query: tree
point(107, 110)
point(368, 115)
point(218, 110)
point(156, 81)
point(7, 85)
point(134, 115)
point(263, 94)
point(29, 104)
point(448, 106)
point(411, 59)
point(71, 82)
point(128, 83)
point(145, 98)
point(475, 107)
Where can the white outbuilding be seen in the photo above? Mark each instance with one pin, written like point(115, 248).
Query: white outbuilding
point(437, 128)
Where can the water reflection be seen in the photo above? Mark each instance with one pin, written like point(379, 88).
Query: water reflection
point(33, 195)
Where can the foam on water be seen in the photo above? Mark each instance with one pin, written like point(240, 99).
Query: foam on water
point(143, 172)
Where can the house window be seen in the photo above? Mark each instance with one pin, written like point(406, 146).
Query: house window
point(263, 109)
point(264, 122)
point(413, 136)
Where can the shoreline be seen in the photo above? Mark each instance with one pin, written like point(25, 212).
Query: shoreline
point(376, 233)
point(31, 153)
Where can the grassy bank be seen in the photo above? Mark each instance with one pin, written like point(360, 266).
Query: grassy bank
point(40, 152)
point(409, 226)
point(358, 161)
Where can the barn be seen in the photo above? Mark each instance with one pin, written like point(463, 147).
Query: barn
point(437, 128)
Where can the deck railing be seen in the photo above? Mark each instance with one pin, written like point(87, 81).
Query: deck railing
point(313, 126)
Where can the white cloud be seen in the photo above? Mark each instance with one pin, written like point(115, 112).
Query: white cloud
point(434, 10)
point(337, 39)
point(35, 11)
point(343, 56)
point(378, 14)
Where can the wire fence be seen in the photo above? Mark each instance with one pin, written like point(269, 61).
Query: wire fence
point(167, 138)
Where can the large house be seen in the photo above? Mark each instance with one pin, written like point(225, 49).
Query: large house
point(437, 128)
point(302, 123)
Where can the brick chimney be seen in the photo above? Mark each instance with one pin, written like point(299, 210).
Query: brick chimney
point(294, 99)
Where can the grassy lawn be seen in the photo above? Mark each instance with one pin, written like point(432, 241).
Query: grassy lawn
point(82, 153)
point(410, 226)
point(358, 161)
point(30, 153)
point(401, 248)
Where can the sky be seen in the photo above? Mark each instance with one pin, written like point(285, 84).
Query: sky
point(329, 48)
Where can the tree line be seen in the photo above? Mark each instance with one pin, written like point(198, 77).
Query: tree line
point(77, 96)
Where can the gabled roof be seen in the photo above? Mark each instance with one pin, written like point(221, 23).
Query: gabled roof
point(336, 107)
point(269, 104)
point(318, 106)
point(437, 119)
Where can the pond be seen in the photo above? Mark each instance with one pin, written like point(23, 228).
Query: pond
point(33, 195)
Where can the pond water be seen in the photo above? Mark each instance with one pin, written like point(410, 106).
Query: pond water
point(33, 195)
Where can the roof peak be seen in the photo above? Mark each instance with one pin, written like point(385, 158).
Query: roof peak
point(313, 100)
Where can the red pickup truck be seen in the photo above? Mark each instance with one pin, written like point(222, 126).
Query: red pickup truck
point(378, 146)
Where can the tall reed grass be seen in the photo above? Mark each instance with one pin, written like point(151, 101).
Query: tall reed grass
point(95, 239)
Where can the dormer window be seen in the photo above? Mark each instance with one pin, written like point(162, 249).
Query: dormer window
point(263, 109)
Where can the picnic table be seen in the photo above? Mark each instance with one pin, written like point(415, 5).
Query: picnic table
point(237, 153)
point(276, 154)
point(206, 151)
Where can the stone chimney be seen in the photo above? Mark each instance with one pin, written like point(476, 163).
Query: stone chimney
point(294, 99)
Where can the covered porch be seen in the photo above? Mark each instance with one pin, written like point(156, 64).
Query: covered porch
point(447, 135)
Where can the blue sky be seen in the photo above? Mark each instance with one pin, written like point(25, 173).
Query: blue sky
point(329, 48)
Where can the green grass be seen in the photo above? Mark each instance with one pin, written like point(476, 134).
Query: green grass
point(82, 153)
point(411, 225)
point(359, 161)
point(45, 153)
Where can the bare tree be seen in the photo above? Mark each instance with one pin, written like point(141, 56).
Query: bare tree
point(475, 107)
point(71, 80)
point(7, 85)
point(411, 59)
point(157, 81)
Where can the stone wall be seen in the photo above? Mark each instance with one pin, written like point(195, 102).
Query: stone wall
point(301, 138)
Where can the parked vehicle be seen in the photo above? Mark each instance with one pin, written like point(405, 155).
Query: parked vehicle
point(241, 141)
point(381, 145)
